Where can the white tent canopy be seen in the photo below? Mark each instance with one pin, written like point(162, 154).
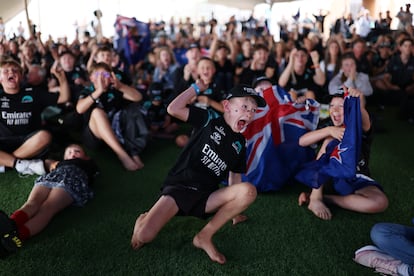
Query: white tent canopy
point(10, 8)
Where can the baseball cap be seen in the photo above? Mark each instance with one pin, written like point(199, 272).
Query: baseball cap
point(66, 52)
point(246, 91)
point(155, 91)
point(257, 80)
point(193, 45)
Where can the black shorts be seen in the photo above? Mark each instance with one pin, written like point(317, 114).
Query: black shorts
point(10, 143)
point(190, 201)
point(90, 140)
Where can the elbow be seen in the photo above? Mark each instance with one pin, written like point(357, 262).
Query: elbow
point(170, 110)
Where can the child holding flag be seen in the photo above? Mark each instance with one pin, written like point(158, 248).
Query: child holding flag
point(342, 160)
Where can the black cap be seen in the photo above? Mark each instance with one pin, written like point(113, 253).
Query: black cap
point(257, 80)
point(246, 91)
point(155, 91)
point(66, 52)
point(193, 45)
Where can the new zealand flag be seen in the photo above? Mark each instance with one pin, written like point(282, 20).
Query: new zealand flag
point(339, 162)
point(273, 152)
point(132, 39)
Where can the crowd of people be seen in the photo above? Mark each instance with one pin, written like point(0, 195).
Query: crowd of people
point(55, 94)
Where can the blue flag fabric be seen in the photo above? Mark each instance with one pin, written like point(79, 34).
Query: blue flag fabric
point(132, 39)
point(273, 152)
point(339, 162)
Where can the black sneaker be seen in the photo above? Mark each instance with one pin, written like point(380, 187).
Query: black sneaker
point(9, 240)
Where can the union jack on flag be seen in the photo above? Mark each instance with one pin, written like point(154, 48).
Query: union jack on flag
point(273, 152)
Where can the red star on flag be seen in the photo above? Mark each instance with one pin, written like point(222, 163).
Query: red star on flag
point(336, 153)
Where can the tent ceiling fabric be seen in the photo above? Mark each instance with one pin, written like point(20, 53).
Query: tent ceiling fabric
point(244, 4)
point(10, 8)
point(241, 4)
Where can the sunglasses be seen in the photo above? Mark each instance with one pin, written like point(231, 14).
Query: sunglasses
point(104, 74)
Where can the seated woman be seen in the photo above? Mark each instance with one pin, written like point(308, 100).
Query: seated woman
point(350, 77)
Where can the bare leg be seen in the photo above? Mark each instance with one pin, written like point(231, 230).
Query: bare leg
point(101, 128)
point(34, 145)
point(366, 200)
point(57, 200)
point(148, 225)
point(36, 198)
point(229, 202)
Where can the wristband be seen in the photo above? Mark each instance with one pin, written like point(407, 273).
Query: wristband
point(196, 88)
point(93, 99)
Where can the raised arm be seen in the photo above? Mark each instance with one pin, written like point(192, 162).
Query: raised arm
point(64, 90)
point(319, 77)
point(284, 77)
point(179, 106)
point(129, 92)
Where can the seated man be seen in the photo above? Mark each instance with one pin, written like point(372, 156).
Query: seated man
point(21, 132)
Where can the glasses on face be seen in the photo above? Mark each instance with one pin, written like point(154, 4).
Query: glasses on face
point(103, 74)
point(10, 70)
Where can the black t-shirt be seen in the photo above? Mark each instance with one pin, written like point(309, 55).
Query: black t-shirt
point(401, 74)
point(88, 166)
point(111, 101)
point(20, 113)
point(248, 75)
point(303, 82)
point(213, 150)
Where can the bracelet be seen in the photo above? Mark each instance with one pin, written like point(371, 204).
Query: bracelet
point(196, 88)
point(93, 99)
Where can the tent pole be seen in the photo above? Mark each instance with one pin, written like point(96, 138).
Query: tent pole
point(29, 23)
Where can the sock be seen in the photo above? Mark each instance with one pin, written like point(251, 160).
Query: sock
point(24, 232)
point(20, 217)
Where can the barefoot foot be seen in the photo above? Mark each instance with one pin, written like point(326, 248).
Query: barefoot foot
point(128, 163)
point(239, 218)
point(319, 209)
point(303, 199)
point(138, 161)
point(209, 248)
point(135, 242)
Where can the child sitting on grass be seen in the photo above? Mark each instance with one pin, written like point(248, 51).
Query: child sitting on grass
point(215, 150)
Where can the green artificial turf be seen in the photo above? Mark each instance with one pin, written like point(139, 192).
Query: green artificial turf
point(280, 238)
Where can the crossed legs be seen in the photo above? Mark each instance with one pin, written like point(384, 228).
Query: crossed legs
point(369, 200)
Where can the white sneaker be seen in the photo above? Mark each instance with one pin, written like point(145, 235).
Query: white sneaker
point(37, 166)
point(372, 256)
point(30, 167)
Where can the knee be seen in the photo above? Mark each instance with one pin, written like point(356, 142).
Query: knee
point(44, 137)
point(248, 192)
point(379, 234)
point(381, 204)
